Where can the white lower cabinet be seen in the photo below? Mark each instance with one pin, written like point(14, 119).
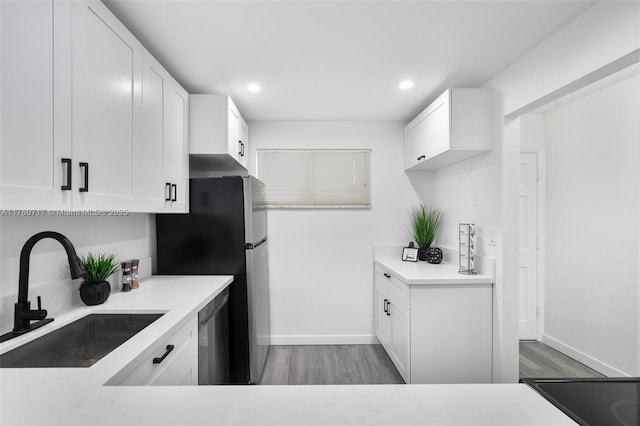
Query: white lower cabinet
point(392, 320)
point(435, 333)
point(173, 361)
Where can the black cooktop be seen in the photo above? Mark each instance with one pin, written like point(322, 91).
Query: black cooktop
point(594, 402)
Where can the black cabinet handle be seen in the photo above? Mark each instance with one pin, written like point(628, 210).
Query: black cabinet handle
point(174, 188)
point(67, 186)
point(159, 360)
point(85, 188)
point(167, 191)
point(387, 275)
point(240, 150)
point(242, 147)
point(385, 305)
point(422, 157)
point(388, 311)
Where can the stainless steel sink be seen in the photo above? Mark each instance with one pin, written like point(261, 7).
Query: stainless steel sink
point(81, 343)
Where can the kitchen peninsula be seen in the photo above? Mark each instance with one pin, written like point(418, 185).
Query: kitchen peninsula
point(79, 396)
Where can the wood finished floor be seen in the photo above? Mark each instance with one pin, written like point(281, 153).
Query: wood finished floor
point(370, 364)
point(539, 360)
point(329, 365)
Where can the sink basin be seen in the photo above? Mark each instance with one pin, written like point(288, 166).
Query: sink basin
point(81, 343)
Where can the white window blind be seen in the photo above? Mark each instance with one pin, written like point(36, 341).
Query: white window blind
point(315, 178)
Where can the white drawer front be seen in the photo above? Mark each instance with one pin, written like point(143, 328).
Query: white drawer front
point(184, 343)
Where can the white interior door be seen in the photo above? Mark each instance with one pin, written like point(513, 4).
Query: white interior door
point(528, 236)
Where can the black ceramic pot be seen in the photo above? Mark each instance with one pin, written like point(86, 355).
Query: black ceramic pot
point(422, 253)
point(95, 293)
point(433, 255)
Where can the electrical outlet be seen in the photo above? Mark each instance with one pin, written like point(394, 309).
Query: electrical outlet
point(492, 237)
point(475, 202)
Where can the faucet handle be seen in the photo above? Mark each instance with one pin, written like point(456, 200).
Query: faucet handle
point(39, 303)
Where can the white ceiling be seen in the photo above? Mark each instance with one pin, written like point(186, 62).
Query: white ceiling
point(338, 60)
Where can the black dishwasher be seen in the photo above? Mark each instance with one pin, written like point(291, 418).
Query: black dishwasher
point(213, 341)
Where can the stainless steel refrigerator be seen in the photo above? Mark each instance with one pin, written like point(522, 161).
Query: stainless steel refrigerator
point(225, 233)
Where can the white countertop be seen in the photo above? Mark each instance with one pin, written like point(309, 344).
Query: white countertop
point(417, 273)
point(76, 396)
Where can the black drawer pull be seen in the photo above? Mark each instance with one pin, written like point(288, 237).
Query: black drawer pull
point(85, 188)
point(67, 186)
point(174, 189)
point(387, 275)
point(159, 360)
point(422, 157)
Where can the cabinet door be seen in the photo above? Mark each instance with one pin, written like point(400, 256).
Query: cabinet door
point(428, 135)
point(243, 140)
point(382, 320)
point(233, 124)
point(35, 82)
point(164, 139)
point(156, 194)
point(400, 327)
point(106, 113)
point(437, 128)
point(175, 148)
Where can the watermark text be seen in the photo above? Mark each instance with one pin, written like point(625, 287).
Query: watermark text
point(60, 212)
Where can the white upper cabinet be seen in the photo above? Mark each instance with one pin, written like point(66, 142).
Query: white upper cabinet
point(218, 133)
point(107, 82)
point(164, 138)
point(456, 126)
point(71, 110)
point(176, 147)
point(243, 140)
point(35, 81)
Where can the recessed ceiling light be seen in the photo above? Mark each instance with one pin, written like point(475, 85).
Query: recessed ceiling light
point(407, 84)
point(253, 88)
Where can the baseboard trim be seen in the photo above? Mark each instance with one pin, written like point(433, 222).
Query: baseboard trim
point(338, 339)
point(582, 357)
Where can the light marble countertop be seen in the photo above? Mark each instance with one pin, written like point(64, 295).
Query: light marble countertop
point(77, 396)
point(416, 273)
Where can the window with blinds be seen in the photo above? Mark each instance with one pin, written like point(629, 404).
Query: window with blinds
point(315, 178)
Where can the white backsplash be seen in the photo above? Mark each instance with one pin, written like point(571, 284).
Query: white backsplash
point(127, 237)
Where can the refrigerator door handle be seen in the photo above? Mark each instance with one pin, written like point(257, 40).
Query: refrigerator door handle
point(250, 246)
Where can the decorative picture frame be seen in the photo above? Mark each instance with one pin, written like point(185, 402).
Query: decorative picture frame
point(410, 254)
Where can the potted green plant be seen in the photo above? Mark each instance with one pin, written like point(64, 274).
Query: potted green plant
point(424, 226)
point(95, 288)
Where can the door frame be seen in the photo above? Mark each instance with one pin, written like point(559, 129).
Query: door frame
point(541, 233)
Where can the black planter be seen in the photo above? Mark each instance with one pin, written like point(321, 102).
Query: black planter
point(95, 294)
point(433, 255)
point(422, 253)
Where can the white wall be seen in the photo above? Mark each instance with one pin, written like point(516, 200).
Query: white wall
point(126, 236)
point(600, 36)
point(321, 270)
point(593, 175)
point(601, 39)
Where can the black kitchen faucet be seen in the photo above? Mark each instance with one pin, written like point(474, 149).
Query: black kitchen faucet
point(23, 314)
